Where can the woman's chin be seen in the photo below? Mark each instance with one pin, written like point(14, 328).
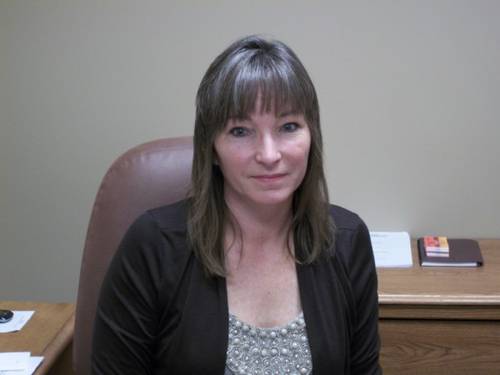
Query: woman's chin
point(275, 199)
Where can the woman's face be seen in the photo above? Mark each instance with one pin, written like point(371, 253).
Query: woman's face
point(263, 158)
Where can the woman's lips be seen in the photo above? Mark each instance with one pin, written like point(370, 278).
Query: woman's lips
point(269, 177)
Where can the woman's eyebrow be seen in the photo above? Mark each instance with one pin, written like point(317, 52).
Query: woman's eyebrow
point(288, 113)
point(235, 120)
point(240, 118)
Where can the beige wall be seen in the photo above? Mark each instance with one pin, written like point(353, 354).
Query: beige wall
point(409, 92)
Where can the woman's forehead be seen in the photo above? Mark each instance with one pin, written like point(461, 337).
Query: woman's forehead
point(269, 106)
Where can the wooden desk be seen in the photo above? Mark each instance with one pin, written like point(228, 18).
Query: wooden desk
point(49, 333)
point(441, 320)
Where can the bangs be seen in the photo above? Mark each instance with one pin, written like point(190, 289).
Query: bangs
point(264, 82)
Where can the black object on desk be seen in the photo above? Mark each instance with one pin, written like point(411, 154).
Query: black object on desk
point(5, 316)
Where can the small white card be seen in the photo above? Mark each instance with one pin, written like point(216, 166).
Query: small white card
point(391, 249)
point(17, 322)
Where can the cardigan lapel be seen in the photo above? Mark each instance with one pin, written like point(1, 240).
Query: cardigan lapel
point(203, 331)
point(324, 310)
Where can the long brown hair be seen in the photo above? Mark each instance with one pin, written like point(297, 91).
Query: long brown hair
point(251, 69)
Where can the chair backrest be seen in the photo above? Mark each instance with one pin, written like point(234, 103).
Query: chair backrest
point(147, 176)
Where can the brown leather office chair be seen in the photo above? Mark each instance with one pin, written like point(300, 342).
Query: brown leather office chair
point(147, 176)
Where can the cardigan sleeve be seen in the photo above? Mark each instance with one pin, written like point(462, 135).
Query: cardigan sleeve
point(127, 313)
point(365, 344)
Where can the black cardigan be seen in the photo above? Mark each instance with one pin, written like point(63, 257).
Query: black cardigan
point(158, 314)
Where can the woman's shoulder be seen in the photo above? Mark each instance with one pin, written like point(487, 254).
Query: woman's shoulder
point(345, 219)
point(151, 223)
point(352, 237)
point(158, 233)
point(171, 217)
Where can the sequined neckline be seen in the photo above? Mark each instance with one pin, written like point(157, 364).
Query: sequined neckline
point(268, 350)
point(299, 317)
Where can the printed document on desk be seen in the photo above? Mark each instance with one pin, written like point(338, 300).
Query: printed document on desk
point(391, 249)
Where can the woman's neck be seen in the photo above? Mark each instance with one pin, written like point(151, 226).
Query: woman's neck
point(259, 225)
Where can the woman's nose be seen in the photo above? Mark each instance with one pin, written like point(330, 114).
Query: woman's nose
point(268, 151)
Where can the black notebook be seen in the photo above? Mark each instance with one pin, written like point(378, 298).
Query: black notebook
point(449, 252)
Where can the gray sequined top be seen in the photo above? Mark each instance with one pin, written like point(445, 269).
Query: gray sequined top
point(268, 351)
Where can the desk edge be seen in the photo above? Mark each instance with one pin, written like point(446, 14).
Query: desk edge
point(57, 346)
point(433, 299)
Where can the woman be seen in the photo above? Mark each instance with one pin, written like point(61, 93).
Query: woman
point(254, 273)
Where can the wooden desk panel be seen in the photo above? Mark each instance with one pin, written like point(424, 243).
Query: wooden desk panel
point(436, 347)
point(441, 320)
point(48, 333)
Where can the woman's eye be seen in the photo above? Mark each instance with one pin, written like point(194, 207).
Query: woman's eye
point(238, 132)
point(290, 127)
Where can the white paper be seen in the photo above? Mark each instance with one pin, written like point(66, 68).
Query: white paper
point(18, 363)
point(391, 249)
point(13, 361)
point(34, 362)
point(17, 322)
